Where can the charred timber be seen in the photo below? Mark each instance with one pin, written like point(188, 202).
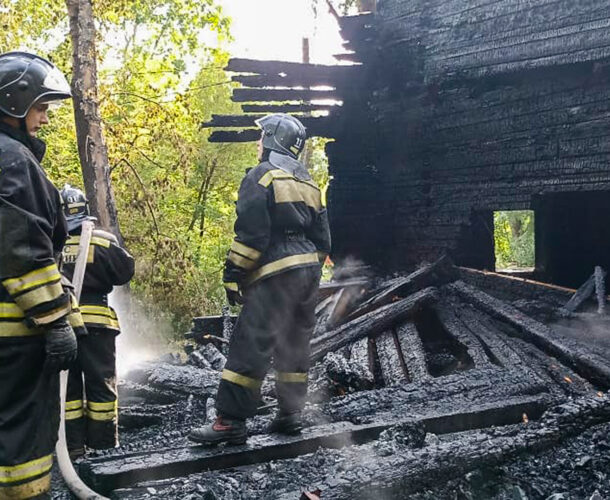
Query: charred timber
point(107, 474)
point(310, 122)
point(287, 108)
point(437, 273)
point(413, 470)
point(275, 95)
point(292, 69)
point(373, 323)
point(574, 354)
point(247, 135)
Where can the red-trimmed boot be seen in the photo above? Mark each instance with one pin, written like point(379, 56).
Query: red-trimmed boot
point(223, 430)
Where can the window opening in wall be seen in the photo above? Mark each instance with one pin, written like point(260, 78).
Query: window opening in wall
point(514, 241)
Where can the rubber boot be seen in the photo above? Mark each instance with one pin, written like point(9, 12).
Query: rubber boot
point(223, 430)
point(286, 423)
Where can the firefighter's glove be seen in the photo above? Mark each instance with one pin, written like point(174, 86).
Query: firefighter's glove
point(61, 346)
point(234, 296)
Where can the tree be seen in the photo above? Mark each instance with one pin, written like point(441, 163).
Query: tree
point(91, 144)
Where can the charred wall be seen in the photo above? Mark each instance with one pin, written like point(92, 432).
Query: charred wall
point(472, 107)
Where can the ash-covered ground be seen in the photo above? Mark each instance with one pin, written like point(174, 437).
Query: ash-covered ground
point(467, 399)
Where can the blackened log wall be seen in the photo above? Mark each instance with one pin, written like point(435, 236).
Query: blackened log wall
point(471, 106)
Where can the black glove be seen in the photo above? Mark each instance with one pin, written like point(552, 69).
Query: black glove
point(234, 297)
point(61, 346)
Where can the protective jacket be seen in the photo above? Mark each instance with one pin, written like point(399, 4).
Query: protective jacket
point(281, 223)
point(108, 264)
point(282, 236)
point(91, 399)
point(32, 233)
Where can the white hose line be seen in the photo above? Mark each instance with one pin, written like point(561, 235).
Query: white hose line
point(75, 483)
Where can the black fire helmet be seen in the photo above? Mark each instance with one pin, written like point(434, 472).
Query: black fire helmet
point(75, 205)
point(283, 133)
point(27, 79)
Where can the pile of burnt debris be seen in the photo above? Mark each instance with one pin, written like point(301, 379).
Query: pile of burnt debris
point(444, 383)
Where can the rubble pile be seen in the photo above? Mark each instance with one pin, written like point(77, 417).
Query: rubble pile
point(436, 383)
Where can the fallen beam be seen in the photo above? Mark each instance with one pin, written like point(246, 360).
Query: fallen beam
point(107, 474)
point(327, 289)
point(392, 366)
point(435, 274)
point(568, 351)
point(413, 352)
point(373, 323)
point(581, 295)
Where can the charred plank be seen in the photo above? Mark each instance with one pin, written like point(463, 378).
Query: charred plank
point(373, 323)
point(275, 95)
point(105, 475)
point(412, 352)
point(435, 274)
point(568, 351)
point(389, 358)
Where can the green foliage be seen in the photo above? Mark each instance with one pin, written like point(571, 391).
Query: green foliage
point(175, 191)
point(514, 239)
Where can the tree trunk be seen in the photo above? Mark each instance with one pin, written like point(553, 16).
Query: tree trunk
point(91, 145)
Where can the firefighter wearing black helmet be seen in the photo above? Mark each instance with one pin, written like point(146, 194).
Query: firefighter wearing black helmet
point(36, 339)
point(273, 268)
point(91, 415)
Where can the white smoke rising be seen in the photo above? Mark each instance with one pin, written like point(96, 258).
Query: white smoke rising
point(142, 337)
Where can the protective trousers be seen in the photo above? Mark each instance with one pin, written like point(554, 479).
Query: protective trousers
point(275, 323)
point(29, 417)
point(91, 417)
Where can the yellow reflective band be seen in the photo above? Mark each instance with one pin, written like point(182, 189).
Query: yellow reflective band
point(74, 404)
point(267, 179)
point(74, 414)
point(234, 287)
point(28, 490)
point(100, 416)
point(10, 310)
point(236, 378)
point(39, 296)
point(291, 378)
point(293, 191)
point(244, 250)
point(32, 279)
point(10, 329)
point(99, 320)
point(98, 310)
point(105, 406)
point(279, 265)
point(241, 261)
point(95, 240)
point(13, 473)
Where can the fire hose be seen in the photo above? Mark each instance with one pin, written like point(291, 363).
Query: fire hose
point(71, 478)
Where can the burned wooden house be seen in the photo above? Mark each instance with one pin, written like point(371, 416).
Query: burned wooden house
point(444, 382)
point(452, 110)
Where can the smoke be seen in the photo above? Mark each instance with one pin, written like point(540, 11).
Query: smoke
point(143, 337)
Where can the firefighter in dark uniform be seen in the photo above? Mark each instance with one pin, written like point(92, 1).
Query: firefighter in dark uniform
point(273, 268)
point(36, 339)
point(92, 421)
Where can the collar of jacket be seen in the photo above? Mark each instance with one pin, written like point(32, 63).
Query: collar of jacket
point(35, 145)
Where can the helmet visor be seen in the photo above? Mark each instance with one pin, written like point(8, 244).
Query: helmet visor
point(56, 83)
